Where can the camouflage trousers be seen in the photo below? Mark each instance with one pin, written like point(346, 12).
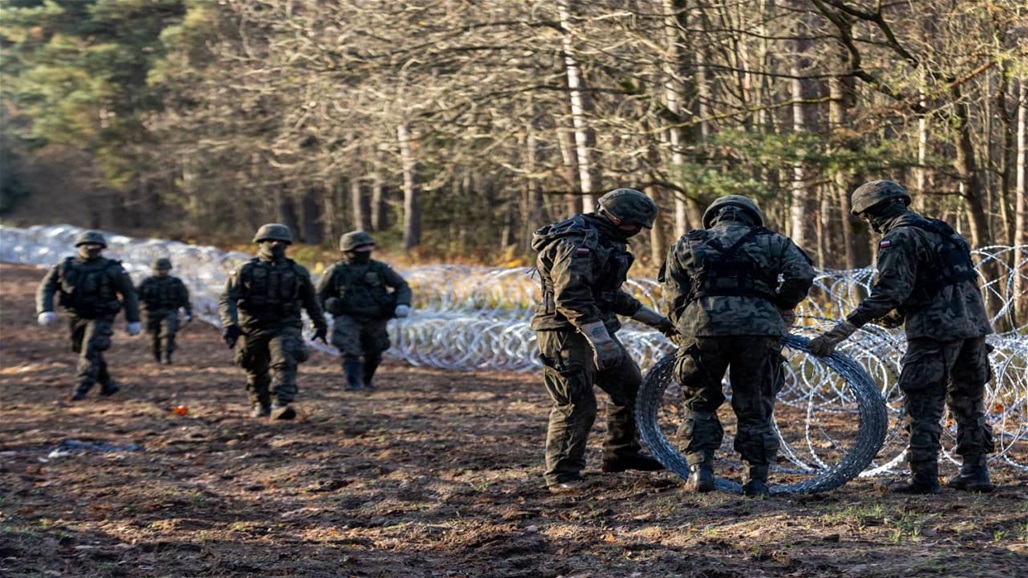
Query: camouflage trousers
point(356, 337)
point(569, 374)
point(90, 338)
point(754, 366)
point(270, 359)
point(162, 326)
point(937, 374)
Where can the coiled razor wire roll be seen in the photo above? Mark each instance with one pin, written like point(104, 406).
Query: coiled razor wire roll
point(859, 397)
point(477, 318)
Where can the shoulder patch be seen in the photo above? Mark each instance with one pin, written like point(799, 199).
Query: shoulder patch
point(885, 244)
point(582, 251)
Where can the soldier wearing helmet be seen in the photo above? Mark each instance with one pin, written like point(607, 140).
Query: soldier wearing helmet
point(730, 288)
point(927, 283)
point(162, 296)
point(583, 261)
point(92, 289)
point(261, 310)
point(362, 295)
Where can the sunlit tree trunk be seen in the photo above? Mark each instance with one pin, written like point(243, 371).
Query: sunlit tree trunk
point(581, 109)
point(411, 207)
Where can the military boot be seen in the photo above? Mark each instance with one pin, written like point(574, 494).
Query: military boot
point(924, 479)
point(352, 371)
point(282, 411)
point(260, 410)
point(973, 476)
point(368, 371)
point(634, 461)
point(756, 482)
point(167, 358)
point(79, 394)
point(110, 388)
point(701, 478)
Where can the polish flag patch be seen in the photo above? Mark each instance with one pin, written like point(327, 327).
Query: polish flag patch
point(885, 244)
point(581, 251)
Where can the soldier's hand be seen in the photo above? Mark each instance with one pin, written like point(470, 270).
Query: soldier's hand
point(47, 318)
point(187, 318)
point(607, 352)
point(133, 327)
point(789, 316)
point(320, 335)
point(824, 344)
point(230, 335)
point(401, 311)
point(891, 320)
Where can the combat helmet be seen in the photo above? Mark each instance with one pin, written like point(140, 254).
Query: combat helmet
point(91, 238)
point(350, 241)
point(744, 203)
point(629, 207)
point(273, 232)
point(874, 193)
point(161, 263)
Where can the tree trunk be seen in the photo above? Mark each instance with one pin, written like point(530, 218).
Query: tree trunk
point(1020, 289)
point(411, 207)
point(581, 108)
point(312, 231)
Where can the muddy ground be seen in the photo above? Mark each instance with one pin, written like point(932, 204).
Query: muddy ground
point(436, 474)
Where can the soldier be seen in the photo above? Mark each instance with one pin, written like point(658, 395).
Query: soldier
point(362, 295)
point(162, 295)
point(927, 282)
point(88, 287)
point(583, 262)
point(730, 288)
point(260, 308)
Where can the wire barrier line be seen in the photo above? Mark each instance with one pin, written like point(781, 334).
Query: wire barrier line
point(477, 318)
point(815, 448)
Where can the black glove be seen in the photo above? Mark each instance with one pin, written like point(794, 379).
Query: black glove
point(320, 335)
point(824, 344)
point(230, 335)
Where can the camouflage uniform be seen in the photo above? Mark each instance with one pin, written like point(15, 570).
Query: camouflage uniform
point(89, 289)
point(938, 300)
point(262, 302)
point(162, 296)
point(583, 261)
point(362, 297)
point(721, 288)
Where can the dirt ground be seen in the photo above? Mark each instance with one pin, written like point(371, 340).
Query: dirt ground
point(436, 474)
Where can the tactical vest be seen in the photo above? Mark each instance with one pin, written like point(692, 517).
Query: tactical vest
point(612, 275)
point(161, 293)
point(361, 290)
point(271, 290)
point(950, 263)
point(87, 289)
point(723, 272)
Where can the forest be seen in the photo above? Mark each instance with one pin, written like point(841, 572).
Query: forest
point(455, 128)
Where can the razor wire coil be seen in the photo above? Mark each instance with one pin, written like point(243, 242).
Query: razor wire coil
point(477, 318)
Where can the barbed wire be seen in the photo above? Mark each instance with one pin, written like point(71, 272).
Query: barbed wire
point(477, 318)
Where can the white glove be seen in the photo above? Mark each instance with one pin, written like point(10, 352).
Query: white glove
point(402, 311)
point(607, 353)
point(47, 318)
point(187, 317)
point(133, 328)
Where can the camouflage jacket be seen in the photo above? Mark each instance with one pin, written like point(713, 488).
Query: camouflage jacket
point(371, 290)
point(908, 281)
point(733, 279)
point(89, 289)
point(269, 295)
point(582, 270)
point(164, 294)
